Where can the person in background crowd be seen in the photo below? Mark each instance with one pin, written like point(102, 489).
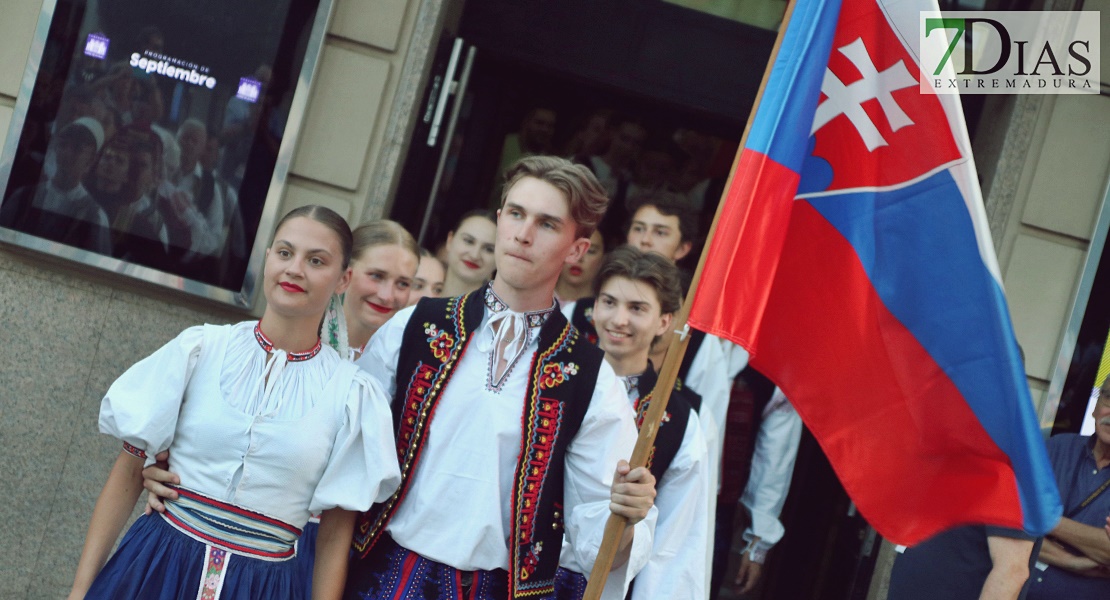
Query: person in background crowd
point(654, 170)
point(470, 248)
point(383, 267)
point(537, 131)
point(300, 430)
point(592, 139)
point(138, 227)
point(1075, 556)
point(637, 295)
point(430, 275)
point(204, 218)
point(614, 170)
point(244, 119)
point(484, 503)
point(663, 223)
point(577, 279)
point(60, 208)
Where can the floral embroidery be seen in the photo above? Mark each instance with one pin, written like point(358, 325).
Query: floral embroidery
point(420, 401)
point(493, 302)
point(215, 568)
point(441, 342)
point(531, 561)
point(554, 374)
point(534, 318)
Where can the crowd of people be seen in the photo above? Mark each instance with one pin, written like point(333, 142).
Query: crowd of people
point(399, 424)
point(630, 157)
point(125, 171)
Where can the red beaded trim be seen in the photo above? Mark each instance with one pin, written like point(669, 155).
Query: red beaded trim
point(133, 451)
point(268, 346)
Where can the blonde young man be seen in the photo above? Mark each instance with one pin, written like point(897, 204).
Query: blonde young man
point(510, 425)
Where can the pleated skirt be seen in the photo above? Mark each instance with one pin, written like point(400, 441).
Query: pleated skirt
point(156, 561)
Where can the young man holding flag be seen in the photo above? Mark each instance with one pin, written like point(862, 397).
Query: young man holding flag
point(663, 224)
point(637, 294)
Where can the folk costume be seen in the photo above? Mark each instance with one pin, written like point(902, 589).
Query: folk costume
point(676, 569)
point(580, 313)
point(496, 463)
point(260, 437)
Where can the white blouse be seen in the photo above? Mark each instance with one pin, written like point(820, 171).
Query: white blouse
point(458, 509)
point(244, 426)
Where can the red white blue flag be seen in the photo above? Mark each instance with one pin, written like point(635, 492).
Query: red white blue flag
point(855, 244)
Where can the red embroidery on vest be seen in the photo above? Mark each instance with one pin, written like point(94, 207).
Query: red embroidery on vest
point(539, 459)
point(555, 373)
point(422, 382)
point(420, 402)
point(441, 342)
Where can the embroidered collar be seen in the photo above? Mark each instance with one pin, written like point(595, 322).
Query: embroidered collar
point(631, 383)
point(268, 346)
point(534, 319)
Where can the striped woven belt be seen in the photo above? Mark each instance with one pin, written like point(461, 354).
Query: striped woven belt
point(231, 527)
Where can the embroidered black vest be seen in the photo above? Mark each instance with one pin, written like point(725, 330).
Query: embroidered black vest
point(582, 317)
point(668, 440)
point(561, 383)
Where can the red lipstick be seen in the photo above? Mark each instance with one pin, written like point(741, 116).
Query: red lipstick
point(379, 307)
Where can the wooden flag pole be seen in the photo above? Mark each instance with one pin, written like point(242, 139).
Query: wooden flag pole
point(668, 373)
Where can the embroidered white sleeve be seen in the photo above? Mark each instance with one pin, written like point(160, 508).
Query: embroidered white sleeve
point(141, 407)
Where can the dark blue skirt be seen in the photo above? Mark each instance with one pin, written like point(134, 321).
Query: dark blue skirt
point(156, 561)
point(306, 554)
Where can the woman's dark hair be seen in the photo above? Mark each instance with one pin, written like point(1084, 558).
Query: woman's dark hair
point(488, 215)
point(328, 218)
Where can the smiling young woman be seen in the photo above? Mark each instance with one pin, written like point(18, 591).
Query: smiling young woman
point(265, 425)
point(384, 263)
point(470, 259)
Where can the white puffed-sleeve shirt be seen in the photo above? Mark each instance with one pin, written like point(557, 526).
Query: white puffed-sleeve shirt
point(281, 434)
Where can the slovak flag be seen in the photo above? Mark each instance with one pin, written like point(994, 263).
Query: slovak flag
point(854, 261)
